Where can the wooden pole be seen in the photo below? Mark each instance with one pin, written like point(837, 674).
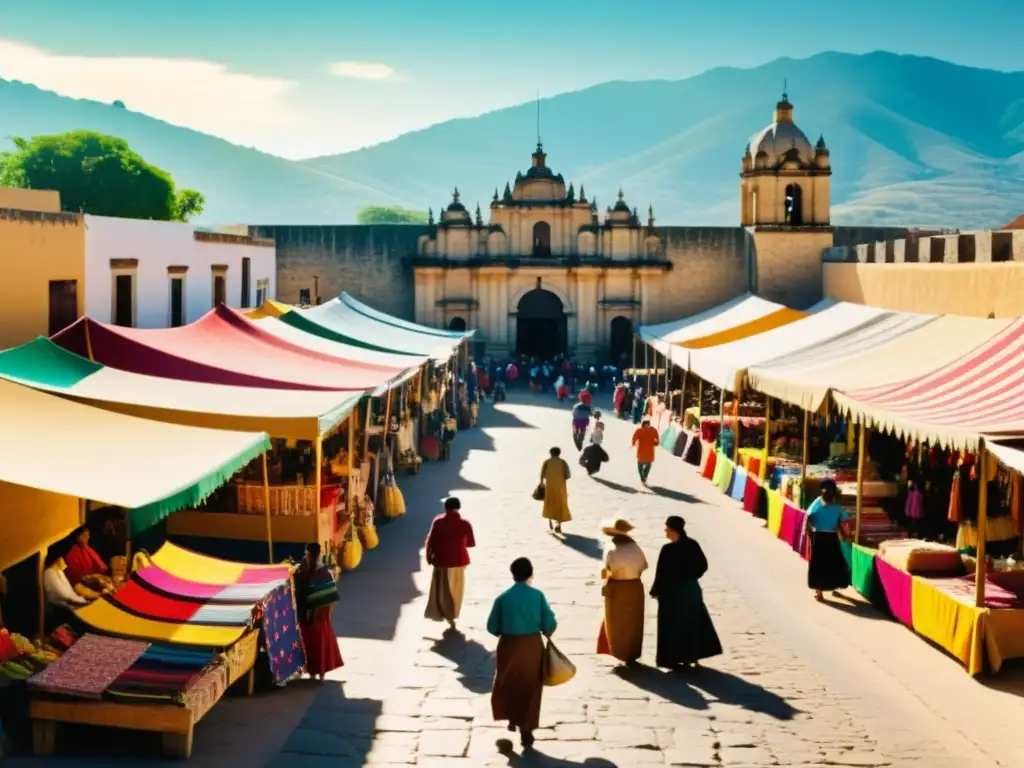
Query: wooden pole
point(349, 497)
point(266, 508)
point(633, 366)
point(682, 398)
point(981, 566)
point(319, 459)
point(40, 578)
point(804, 454)
point(767, 426)
point(366, 429)
point(862, 449)
point(736, 428)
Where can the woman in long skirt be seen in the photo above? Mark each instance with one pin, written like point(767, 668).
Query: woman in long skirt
point(315, 595)
point(622, 631)
point(686, 634)
point(520, 619)
point(554, 473)
point(827, 569)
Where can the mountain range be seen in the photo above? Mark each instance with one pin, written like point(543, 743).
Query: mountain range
point(914, 142)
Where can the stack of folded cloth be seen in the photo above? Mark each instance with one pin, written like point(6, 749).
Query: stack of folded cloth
point(162, 675)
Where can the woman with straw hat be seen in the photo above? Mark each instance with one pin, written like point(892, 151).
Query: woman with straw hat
point(622, 631)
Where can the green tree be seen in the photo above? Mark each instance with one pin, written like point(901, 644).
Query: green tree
point(97, 174)
point(379, 214)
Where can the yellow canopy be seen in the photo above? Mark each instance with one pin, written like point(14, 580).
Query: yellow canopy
point(772, 320)
point(269, 308)
point(54, 452)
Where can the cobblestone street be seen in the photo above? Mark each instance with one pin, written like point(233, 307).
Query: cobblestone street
point(799, 683)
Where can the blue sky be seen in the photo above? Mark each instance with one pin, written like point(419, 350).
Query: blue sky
point(308, 77)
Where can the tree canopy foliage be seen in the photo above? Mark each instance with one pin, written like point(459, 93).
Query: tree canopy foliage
point(379, 214)
point(97, 174)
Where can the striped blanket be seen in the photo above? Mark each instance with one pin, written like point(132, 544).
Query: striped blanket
point(322, 589)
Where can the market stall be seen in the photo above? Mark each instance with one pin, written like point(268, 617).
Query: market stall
point(158, 653)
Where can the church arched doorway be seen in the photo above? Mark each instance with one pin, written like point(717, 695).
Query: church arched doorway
point(457, 324)
point(542, 239)
point(541, 325)
point(794, 205)
point(620, 343)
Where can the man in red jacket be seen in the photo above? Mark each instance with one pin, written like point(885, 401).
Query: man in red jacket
point(447, 547)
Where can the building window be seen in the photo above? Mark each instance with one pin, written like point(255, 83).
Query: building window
point(541, 239)
point(794, 205)
point(262, 291)
point(123, 300)
point(220, 285)
point(457, 324)
point(176, 303)
point(246, 278)
point(63, 304)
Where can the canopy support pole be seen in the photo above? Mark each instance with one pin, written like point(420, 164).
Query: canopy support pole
point(349, 489)
point(319, 460)
point(266, 507)
point(668, 380)
point(721, 414)
point(647, 365)
point(862, 449)
point(633, 367)
point(682, 398)
point(981, 566)
point(767, 426)
point(736, 429)
point(804, 454)
point(366, 429)
point(40, 579)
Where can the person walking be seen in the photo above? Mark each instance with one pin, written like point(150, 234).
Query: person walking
point(520, 618)
point(594, 455)
point(315, 596)
point(646, 440)
point(622, 630)
point(580, 421)
point(447, 549)
point(554, 474)
point(827, 569)
point(686, 634)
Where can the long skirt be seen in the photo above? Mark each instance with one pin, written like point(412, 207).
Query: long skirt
point(322, 653)
point(827, 569)
point(592, 458)
point(519, 681)
point(622, 631)
point(447, 588)
point(686, 633)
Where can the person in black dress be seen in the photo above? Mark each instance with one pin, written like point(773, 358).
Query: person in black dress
point(686, 634)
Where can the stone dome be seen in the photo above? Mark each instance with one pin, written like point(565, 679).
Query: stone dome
point(781, 141)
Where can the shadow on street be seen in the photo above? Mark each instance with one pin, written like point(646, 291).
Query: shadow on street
point(473, 661)
point(585, 545)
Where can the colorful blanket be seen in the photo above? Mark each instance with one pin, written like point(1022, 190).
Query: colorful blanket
point(170, 584)
point(137, 598)
point(282, 638)
point(322, 589)
point(88, 667)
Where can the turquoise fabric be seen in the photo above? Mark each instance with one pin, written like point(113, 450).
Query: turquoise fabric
point(521, 610)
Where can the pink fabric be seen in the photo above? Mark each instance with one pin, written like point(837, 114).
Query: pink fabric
point(751, 494)
point(899, 591)
point(914, 507)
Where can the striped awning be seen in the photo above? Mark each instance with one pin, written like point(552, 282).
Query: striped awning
point(980, 394)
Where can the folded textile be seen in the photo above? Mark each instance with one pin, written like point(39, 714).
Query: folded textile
point(139, 599)
point(175, 586)
point(282, 638)
point(89, 666)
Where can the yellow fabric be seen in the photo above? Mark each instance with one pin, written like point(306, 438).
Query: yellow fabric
point(953, 624)
point(31, 520)
point(109, 619)
point(193, 566)
point(997, 529)
point(776, 319)
point(775, 505)
point(1004, 636)
point(269, 308)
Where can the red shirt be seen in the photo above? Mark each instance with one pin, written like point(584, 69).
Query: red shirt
point(449, 540)
point(82, 562)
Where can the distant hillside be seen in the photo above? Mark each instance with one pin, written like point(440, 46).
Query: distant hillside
point(914, 141)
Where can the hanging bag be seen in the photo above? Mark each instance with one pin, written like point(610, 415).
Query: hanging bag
point(538, 492)
point(557, 667)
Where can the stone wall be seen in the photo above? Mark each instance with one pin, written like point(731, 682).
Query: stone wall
point(710, 264)
point(367, 261)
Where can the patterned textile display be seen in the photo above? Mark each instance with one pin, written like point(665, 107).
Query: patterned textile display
point(322, 589)
point(160, 580)
point(206, 690)
point(89, 666)
point(137, 598)
point(161, 676)
point(282, 639)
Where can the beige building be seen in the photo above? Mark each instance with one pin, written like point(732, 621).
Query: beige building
point(546, 274)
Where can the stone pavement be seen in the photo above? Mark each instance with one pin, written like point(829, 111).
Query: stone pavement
point(799, 683)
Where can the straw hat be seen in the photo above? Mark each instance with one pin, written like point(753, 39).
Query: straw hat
point(617, 527)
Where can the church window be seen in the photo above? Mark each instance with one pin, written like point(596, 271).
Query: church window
point(457, 324)
point(541, 239)
point(794, 205)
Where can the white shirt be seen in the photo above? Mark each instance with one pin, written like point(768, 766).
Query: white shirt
point(59, 590)
point(597, 436)
point(624, 562)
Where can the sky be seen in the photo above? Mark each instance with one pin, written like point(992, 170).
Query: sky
point(303, 78)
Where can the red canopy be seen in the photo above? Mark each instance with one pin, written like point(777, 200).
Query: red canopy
point(222, 347)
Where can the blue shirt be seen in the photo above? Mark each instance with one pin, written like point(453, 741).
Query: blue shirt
point(823, 517)
point(581, 412)
point(521, 610)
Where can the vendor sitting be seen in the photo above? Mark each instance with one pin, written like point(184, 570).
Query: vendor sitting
point(84, 565)
point(61, 597)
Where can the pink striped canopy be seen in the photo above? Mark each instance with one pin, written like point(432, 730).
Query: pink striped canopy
point(981, 393)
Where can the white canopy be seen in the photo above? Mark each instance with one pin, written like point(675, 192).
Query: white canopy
point(722, 365)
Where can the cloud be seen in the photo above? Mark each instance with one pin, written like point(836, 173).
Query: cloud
point(204, 95)
point(363, 70)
